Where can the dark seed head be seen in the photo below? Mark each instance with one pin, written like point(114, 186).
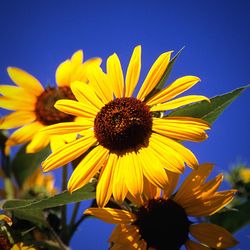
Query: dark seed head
point(46, 113)
point(163, 224)
point(123, 124)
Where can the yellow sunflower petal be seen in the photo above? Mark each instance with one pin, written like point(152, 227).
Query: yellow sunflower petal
point(153, 171)
point(215, 204)
point(192, 245)
point(25, 80)
point(13, 104)
point(38, 142)
point(134, 174)
point(168, 156)
point(104, 186)
point(77, 57)
point(115, 74)
point(63, 72)
point(194, 179)
point(179, 102)
point(17, 119)
point(181, 128)
point(118, 185)
point(154, 75)
point(176, 88)
point(24, 134)
point(87, 168)
point(173, 179)
point(6, 219)
point(100, 82)
point(17, 93)
point(112, 215)
point(220, 238)
point(133, 71)
point(69, 152)
point(86, 94)
point(67, 127)
point(150, 191)
point(75, 108)
point(57, 141)
point(185, 154)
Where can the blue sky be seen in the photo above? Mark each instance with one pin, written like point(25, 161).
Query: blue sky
point(37, 35)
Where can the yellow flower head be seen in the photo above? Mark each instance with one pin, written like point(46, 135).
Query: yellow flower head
point(244, 174)
point(21, 246)
point(41, 183)
point(162, 220)
point(121, 133)
point(33, 105)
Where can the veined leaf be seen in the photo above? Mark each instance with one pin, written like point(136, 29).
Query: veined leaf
point(24, 164)
point(209, 111)
point(84, 193)
point(165, 76)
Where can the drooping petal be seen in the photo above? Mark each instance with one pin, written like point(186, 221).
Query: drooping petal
point(173, 179)
point(69, 152)
point(134, 174)
point(24, 134)
point(174, 89)
point(212, 235)
point(169, 157)
point(18, 93)
point(112, 215)
point(118, 185)
point(153, 169)
point(86, 94)
point(87, 168)
point(104, 186)
point(25, 80)
point(181, 128)
point(75, 108)
point(115, 74)
point(184, 154)
point(179, 102)
point(154, 75)
point(13, 104)
point(17, 119)
point(133, 72)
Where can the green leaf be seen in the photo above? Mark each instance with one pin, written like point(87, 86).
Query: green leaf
point(24, 164)
point(85, 193)
point(209, 111)
point(165, 76)
point(36, 217)
point(233, 220)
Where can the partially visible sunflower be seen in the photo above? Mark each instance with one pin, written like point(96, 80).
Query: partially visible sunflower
point(33, 104)
point(161, 220)
point(121, 133)
point(39, 184)
point(21, 246)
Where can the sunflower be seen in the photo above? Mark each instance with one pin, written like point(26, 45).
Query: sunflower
point(161, 220)
point(120, 133)
point(33, 104)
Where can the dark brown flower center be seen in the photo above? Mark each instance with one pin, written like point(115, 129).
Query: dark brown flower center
point(163, 224)
point(123, 124)
point(46, 113)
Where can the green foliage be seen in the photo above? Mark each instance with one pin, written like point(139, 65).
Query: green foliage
point(209, 111)
point(84, 193)
point(24, 165)
point(234, 219)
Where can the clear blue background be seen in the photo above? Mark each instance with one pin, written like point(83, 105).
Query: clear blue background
point(37, 35)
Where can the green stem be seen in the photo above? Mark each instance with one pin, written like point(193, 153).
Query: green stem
point(64, 207)
point(74, 214)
